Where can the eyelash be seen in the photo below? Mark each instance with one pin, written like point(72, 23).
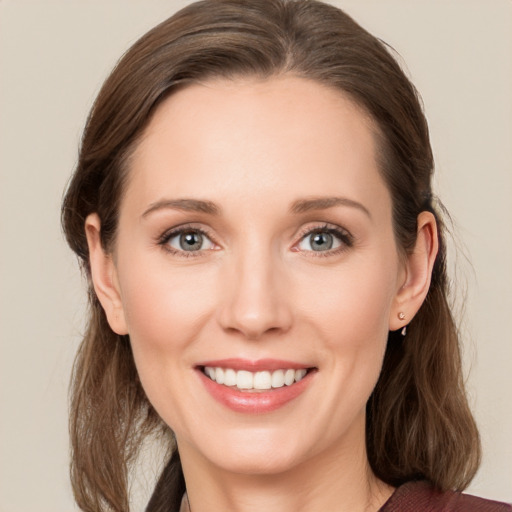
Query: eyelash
point(342, 235)
point(346, 239)
point(168, 235)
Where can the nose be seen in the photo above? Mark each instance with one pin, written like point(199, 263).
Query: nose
point(256, 298)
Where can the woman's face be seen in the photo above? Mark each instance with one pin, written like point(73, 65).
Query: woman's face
point(255, 245)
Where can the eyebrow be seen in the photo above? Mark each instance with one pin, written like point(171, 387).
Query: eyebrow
point(187, 205)
point(323, 203)
point(297, 207)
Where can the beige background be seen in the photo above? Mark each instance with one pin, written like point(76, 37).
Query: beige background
point(54, 56)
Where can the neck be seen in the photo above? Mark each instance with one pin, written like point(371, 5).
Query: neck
point(337, 479)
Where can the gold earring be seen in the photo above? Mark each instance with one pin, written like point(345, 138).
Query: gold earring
point(401, 316)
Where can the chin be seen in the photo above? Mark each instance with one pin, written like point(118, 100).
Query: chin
point(261, 464)
point(257, 453)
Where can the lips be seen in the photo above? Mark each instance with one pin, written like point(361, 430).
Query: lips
point(255, 386)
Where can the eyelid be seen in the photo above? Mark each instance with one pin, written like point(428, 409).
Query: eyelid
point(345, 237)
point(163, 239)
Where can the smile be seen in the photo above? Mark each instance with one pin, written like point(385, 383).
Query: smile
point(257, 387)
point(260, 381)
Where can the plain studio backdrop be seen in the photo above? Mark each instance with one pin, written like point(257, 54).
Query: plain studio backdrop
point(54, 56)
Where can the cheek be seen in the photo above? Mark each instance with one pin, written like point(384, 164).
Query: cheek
point(354, 302)
point(352, 318)
point(165, 308)
point(166, 311)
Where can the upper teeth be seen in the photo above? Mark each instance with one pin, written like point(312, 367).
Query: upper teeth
point(243, 379)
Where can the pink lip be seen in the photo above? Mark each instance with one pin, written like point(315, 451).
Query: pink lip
point(258, 402)
point(254, 366)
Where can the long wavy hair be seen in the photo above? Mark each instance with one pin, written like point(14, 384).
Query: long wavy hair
point(419, 425)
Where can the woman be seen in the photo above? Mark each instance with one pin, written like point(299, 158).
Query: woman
point(253, 209)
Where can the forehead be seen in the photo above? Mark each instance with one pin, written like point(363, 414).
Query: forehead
point(281, 136)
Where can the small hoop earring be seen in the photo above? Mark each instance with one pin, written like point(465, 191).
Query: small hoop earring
point(403, 332)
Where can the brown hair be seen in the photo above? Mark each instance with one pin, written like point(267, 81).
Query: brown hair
point(418, 422)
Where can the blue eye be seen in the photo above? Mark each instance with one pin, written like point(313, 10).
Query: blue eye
point(323, 240)
point(189, 240)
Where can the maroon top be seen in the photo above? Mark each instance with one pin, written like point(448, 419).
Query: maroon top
point(422, 497)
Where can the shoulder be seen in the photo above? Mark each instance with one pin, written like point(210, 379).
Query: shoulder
point(422, 497)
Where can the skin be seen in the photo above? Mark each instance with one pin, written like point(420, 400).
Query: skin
point(256, 289)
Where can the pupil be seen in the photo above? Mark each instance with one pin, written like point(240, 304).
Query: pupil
point(191, 241)
point(321, 242)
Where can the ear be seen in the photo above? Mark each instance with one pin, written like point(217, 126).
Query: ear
point(104, 276)
point(418, 272)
